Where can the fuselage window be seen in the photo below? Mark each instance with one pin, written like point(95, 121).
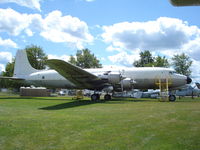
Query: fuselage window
point(43, 77)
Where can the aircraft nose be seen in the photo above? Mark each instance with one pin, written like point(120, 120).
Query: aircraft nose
point(189, 80)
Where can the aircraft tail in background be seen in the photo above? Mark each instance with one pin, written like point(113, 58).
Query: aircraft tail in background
point(198, 85)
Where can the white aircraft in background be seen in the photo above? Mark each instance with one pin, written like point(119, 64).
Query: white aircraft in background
point(189, 90)
point(66, 75)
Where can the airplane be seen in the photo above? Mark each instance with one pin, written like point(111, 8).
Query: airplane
point(65, 75)
point(185, 2)
point(189, 91)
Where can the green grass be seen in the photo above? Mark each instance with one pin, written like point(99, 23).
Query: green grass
point(60, 123)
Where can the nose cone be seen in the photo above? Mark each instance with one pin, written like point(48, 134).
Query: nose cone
point(189, 80)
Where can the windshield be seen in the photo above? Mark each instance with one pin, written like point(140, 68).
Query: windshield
point(172, 72)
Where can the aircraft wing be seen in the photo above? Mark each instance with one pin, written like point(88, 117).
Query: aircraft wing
point(76, 75)
point(185, 2)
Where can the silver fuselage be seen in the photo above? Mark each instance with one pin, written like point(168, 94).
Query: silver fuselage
point(145, 77)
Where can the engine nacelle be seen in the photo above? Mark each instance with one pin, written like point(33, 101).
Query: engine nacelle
point(108, 89)
point(113, 78)
point(127, 84)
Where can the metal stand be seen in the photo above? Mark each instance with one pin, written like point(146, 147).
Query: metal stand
point(163, 85)
point(79, 95)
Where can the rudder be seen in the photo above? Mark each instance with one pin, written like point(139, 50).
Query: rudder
point(22, 66)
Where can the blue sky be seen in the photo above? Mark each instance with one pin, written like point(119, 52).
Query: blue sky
point(115, 31)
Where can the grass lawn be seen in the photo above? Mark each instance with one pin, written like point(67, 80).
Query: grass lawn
point(121, 124)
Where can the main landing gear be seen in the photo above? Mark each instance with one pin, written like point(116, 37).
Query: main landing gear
point(95, 97)
point(107, 97)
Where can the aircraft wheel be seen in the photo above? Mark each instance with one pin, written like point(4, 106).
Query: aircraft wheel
point(98, 96)
point(95, 97)
point(107, 97)
point(172, 98)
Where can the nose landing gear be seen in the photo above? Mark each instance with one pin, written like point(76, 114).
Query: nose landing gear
point(172, 98)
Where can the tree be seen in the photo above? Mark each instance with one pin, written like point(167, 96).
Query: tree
point(182, 64)
point(36, 57)
point(72, 60)
point(146, 60)
point(85, 59)
point(9, 70)
point(161, 62)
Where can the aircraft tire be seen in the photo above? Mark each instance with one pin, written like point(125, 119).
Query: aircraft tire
point(95, 97)
point(107, 97)
point(172, 98)
point(98, 96)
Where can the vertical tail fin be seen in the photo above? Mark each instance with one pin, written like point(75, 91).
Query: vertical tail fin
point(22, 65)
point(198, 85)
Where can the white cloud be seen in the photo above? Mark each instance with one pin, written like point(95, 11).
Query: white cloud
point(5, 57)
point(62, 57)
point(2, 68)
point(33, 4)
point(195, 71)
point(14, 23)
point(124, 58)
point(192, 48)
point(7, 43)
point(112, 48)
point(54, 27)
point(29, 32)
point(72, 30)
point(161, 34)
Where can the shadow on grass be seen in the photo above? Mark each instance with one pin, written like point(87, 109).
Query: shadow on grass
point(78, 103)
point(70, 104)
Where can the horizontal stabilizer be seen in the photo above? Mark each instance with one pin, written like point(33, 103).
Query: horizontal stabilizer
point(11, 78)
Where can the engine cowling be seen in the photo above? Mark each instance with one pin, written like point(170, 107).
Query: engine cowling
point(113, 78)
point(127, 84)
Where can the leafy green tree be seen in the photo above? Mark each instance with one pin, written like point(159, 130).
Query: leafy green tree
point(85, 59)
point(9, 69)
point(182, 64)
point(146, 60)
point(36, 57)
point(9, 73)
point(161, 62)
point(72, 60)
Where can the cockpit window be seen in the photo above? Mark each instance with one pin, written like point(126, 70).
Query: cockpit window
point(172, 72)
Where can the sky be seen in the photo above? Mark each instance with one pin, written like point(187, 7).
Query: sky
point(115, 31)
